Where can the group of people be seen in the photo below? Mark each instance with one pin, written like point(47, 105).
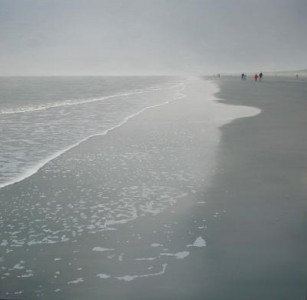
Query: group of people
point(256, 76)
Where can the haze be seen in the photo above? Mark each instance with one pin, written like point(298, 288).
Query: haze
point(127, 37)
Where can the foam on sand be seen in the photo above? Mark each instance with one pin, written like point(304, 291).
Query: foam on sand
point(199, 242)
point(178, 255)
point(103, 276)
point(101, 249)
point(133, 277)
point(78, 280)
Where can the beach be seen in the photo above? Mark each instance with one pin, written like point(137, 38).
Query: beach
point(191, 199)
point(261, 246)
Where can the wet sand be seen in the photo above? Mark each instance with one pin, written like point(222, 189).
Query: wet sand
point(228, 223)
point(257, 249)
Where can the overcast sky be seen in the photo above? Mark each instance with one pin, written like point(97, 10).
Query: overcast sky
point(109, 37)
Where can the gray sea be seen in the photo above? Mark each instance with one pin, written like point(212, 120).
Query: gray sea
point(103, 183)
point(40, 117)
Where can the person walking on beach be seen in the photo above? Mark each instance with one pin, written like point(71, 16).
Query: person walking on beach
point(260, 76)
point(242, 76)
point(256, 77)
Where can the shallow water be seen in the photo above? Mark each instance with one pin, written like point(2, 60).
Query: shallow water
point(43, 117)
point(109, 210)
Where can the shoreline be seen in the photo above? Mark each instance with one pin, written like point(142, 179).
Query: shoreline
point(164, 208)
point(106, 214)
point(256, 248)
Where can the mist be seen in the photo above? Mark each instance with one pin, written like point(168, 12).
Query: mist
point(142, 37)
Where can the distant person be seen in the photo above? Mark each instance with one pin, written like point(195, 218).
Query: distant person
point(242, 76)
point(296, 76)
point(256, 77)
point(260, 76)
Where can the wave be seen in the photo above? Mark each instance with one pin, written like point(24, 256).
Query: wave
point(42, 163)
point(70, 102)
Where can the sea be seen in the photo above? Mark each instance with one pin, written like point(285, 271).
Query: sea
point(42, 117)
point(89, 211)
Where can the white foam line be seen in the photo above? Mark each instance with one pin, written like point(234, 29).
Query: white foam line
point(132, 277)
point(78, 280)
point(60, 104)
point(76, 102)
point(101, 249)
point(43, 162)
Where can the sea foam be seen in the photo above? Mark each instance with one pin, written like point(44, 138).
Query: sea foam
point(34, 167)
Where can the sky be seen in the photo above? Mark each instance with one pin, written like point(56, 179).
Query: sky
point(151, 37)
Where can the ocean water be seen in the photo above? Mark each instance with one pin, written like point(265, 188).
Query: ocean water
point(41, 117)
point(107, 215)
